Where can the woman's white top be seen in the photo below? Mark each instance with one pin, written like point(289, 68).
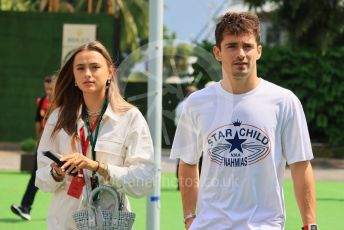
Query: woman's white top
point(124, 143)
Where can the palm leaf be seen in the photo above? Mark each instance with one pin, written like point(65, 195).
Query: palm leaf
point(129, 33)
point(98, 6)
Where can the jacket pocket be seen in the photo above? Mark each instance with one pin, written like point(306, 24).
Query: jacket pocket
point(111, 146)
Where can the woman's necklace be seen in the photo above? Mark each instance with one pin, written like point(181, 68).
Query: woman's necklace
point(93, 114)
point(93, 119)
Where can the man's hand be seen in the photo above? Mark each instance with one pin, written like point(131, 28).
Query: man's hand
point(188, 222)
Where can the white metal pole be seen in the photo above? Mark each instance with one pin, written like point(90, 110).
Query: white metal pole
point(154, 113)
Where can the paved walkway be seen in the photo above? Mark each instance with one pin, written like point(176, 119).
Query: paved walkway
point(324, 169)
point(10, 160)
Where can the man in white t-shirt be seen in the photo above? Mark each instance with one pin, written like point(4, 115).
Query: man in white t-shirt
point(247, 129)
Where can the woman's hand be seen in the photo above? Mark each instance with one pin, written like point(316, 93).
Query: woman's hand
point(57, 173)
point(76, 161)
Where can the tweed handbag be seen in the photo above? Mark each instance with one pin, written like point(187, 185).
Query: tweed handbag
point(97, 217)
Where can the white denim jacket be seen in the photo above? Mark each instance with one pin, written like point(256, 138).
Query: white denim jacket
point(124, 143)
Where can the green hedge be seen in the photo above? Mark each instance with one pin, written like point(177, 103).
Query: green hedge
point(30, 49)
point(317, 79)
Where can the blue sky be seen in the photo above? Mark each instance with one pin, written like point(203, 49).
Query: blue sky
point(188, 17)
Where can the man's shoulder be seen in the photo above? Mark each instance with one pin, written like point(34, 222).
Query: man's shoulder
point(277, 90)
point(280, 95)
point(203, 94)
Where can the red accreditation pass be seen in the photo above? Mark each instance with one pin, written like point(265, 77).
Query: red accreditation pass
point(75, 187)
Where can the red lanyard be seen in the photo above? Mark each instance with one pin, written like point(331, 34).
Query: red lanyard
point(77, 183)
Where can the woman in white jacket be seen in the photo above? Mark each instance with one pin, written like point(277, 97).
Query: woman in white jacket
point(89, 106)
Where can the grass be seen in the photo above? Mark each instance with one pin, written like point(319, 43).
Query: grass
point(330, 203)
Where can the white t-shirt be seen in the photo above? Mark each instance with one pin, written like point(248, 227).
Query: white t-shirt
point(246, 140)
point(179, 110)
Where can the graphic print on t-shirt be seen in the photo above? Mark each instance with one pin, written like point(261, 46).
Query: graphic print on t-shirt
point(238, 145)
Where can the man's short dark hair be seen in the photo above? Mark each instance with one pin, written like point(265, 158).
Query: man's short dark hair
point(237, 24)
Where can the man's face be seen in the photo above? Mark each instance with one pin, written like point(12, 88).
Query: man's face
point(48, 88)
point(239, 55)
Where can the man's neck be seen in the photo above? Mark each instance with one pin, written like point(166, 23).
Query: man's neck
point(239, 86)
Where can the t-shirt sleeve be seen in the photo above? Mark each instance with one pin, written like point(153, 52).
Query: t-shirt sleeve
point(296, 144)
point(187, 142)
point(179, 110)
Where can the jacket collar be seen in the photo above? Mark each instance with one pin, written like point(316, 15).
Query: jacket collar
point(111, 114)
point(108, 113)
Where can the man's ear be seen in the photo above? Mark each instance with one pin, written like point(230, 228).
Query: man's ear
point(217, 53)
point(260, 50)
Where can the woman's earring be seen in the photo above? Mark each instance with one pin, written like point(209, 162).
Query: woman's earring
point(108, 81)
point(76, 85)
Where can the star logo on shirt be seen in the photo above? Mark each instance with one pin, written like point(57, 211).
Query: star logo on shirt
point(236, 142)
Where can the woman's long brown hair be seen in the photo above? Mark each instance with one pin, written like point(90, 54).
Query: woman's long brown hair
point(69, 98)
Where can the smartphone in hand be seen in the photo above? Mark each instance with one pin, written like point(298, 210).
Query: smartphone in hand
point(53, 157)
point(56, 159)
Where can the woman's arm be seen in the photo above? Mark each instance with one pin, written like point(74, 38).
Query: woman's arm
point(44, 179)
point(135, 177)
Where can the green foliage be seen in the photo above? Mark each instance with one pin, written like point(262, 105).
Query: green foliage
point(169, 52)
point(184, 51)
point(176, 56)
point(132, 18)
point(326, 151)
point(317, 25)
point(28, 145)
point(316, 79)
point(207, 68)
point(34, 5)
point(138, 77)
point(19, 5)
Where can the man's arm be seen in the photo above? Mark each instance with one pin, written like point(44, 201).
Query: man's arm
point(188, 184)
point(302, 174)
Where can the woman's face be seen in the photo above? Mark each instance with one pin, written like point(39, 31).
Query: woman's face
point(91, 71)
